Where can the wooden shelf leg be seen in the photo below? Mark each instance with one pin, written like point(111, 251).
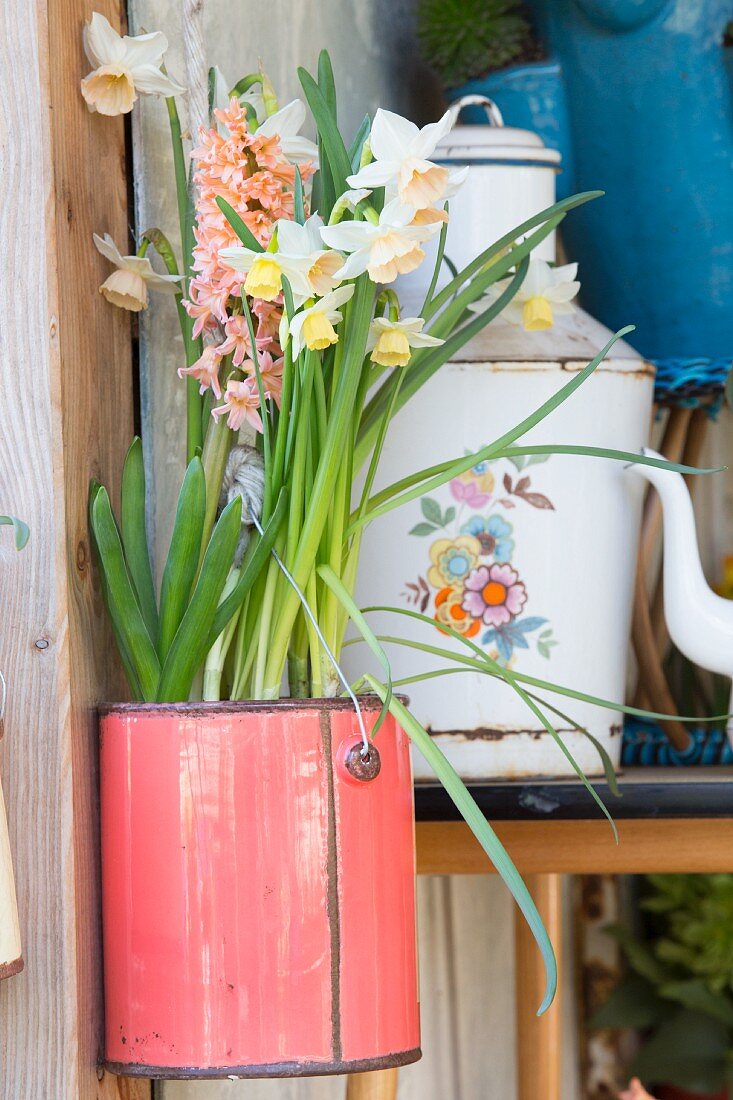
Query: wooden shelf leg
point(380, 1085)
point(538, 1038)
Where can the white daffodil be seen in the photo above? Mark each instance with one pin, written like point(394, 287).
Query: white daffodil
point(385, 250)
point(390, 342)
point(123, 66)
point(401, 150)
point(296, 243)
point(127, 287)
point(285, 124)
point(265, 270)
point(313, 328)
point(545, 291)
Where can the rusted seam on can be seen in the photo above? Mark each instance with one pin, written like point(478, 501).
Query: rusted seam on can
point(332, 898)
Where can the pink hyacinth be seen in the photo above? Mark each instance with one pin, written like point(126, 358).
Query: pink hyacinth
point(237, 342)
point(252, 175)
point(494, 594)
point(271, 373)
point(205, 370)
point(241, 402)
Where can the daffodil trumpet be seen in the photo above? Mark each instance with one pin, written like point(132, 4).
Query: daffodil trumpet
point(297, 350)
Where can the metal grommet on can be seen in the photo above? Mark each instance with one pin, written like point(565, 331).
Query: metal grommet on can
point(361, 765)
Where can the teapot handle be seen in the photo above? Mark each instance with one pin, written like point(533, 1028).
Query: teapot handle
point(493, 113)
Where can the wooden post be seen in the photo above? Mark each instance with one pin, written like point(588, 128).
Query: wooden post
point(380, 1085)
point(66, 400)
point(538, 1038)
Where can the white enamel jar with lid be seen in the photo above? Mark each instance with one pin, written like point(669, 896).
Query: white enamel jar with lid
point(512, 176)
point(555, 538)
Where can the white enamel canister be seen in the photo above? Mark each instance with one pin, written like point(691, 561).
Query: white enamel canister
point(532, 558)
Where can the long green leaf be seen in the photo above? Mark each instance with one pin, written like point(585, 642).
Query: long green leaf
point(344, 597)
point(355, 149)
point(505, 242)
point(188, 650)
point(479, 826)
point(183, 554)
point(134, 534)
point(632, 457)
point(478, 666)
point(240, 227)
point(338, 157)
point(130, 630)
point(21, 531)
point(254, 561)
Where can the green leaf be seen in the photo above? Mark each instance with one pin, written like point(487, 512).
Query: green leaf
point(344, 597)
point(633, 1003)
point(498, 247)
point(245, 234)
point(432, 511)
point(338, 158)
point(357, 145)
point(632, 457)
point(21, 530)
point(134, 535)
point(298, 202)
point(183, 554)
point(449, 515)
point(326, 82)
point(424, 529)
point(257, 555)
point(481, 829)
point(188, 650)
point(696, 995)
point(136, 647)
point(638, 955)
point(689, 1050)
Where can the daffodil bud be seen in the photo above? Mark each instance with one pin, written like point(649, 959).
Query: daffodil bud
point(392, 349)
point(537, 314)
point(264, 279)
point(318, 332)
point(125, 289)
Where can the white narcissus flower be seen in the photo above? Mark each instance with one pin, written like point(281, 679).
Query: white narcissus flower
point(545, 291)
point(303, 243)
point(285, 124)
point(127, 287)
point(401, 151)
point(313, 327)
point(386, 250)
point(265, 270)
point(390, 342)
point(123, 66)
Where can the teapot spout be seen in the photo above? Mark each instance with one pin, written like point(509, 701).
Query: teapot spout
point(700, 622)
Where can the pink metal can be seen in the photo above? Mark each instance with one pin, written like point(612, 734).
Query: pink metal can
point(258, 896)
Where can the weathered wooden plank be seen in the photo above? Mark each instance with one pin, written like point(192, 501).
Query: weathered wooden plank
point(66, 396)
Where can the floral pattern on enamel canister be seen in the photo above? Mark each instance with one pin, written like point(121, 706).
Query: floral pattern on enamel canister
point(472, 581)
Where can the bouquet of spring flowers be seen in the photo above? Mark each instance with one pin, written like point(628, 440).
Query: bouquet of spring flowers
point(297, 357)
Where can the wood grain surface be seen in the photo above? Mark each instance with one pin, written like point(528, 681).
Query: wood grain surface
point(66, 401)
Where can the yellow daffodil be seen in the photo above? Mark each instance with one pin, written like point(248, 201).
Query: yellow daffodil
point(314, 327)
point(265, 270)
point(545, 292)
point(391, 342)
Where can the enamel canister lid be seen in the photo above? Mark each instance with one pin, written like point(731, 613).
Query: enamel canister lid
point(494, 143)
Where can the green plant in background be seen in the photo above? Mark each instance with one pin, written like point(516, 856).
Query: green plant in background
point(465, 39)
point(679, 986)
